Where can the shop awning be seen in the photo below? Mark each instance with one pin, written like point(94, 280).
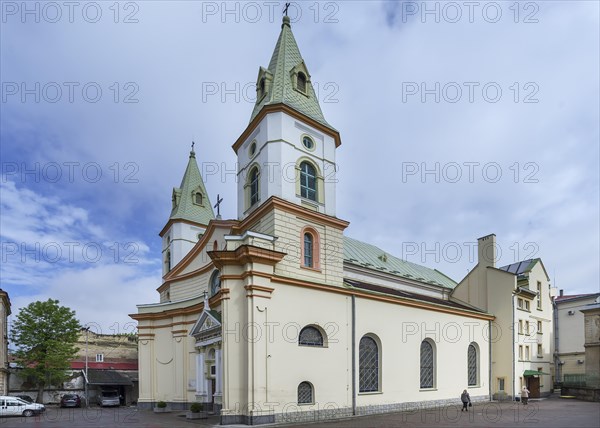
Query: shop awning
point(533, 373)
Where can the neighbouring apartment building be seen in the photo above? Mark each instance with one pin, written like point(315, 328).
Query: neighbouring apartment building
point(4, 313)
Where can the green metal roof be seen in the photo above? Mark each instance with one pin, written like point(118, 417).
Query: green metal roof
point(369, 256)
point(185, 208)
point(286, 57)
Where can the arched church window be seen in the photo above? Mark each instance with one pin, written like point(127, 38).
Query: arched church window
point(168, 260)
point(253, 181)
point(308, 181)
point(305, 393)
point(198, 198)
point(301, 82)
point(215, 282)
point(310, 336)
point(472, 363)
point(308, 249)
point(368, 365)
point(427, 365)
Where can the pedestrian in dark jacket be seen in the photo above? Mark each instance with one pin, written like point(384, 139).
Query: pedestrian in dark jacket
point(466, 400)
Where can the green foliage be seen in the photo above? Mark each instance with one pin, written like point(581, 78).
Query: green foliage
point(196, 408)
point(161, 404)
point(45, 335)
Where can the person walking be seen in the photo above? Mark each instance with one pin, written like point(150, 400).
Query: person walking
point(466, 399)
point(524, 395)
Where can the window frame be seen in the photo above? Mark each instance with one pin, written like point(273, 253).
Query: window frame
point(311, 345)
point(362, 388)
point(211, 286)
point(475, 349)
point(316, 248)
point(433, 367)
point(302, 77)
point(305, 180)
point(254, 186)
point(312, 393)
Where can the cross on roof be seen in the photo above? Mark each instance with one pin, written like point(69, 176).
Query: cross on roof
point(218, 206)
point(285, 10)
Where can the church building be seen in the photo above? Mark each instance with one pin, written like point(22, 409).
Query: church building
point(277, 315)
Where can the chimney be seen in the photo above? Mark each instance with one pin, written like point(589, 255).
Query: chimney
point(561, 292)
point(486, 251)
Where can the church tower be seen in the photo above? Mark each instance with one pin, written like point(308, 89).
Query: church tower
point(288, 149)
point(191, 211)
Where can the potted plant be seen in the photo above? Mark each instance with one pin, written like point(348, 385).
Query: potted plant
point(196, 412)
point(161, 407)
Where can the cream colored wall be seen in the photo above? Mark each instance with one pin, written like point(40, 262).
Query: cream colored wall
point(500, 288)
point(273, 385)
point(571, 335)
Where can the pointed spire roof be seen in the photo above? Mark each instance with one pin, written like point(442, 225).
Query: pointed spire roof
point(186, 205)
point(280, 86)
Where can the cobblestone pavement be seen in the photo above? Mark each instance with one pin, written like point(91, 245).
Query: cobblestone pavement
point(550, 413)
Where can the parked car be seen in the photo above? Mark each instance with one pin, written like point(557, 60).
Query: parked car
point(25, 398)
point(70, 400)
point(109, 397)
point(13, 406)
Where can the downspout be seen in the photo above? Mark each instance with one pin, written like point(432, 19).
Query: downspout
point(557, 365)
point(513, 350)
point(490, 361)
point(353, 355)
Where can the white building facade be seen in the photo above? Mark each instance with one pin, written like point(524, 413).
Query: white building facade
point(276, 315)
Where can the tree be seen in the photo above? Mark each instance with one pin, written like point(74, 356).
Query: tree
point(45, 335)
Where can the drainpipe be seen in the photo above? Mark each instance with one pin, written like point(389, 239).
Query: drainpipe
point(513, 347)
point(557, 365)
point(490, 361)
point(353, 355)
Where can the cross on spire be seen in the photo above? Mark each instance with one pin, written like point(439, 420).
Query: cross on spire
point(285, 10)
point(218, 206)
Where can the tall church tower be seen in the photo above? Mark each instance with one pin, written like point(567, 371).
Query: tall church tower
point(288, 149)
point(189, 217)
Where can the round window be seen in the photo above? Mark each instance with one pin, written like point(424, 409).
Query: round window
point(308, 142)
point(253, 148)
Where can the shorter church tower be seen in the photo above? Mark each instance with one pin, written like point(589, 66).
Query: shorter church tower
point(190, 215)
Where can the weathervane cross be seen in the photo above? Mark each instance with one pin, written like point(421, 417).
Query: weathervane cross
point(285, 11)
point(218, 205)
point(193, 145)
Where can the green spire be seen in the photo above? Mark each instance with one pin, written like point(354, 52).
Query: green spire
point(279, 83)
point(190, 200)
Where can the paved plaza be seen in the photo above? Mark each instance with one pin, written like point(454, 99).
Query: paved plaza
point(546, 413)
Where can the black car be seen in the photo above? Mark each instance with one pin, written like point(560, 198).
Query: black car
point(70, 400)
point(25, 398)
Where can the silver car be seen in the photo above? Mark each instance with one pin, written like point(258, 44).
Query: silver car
point(109, 398)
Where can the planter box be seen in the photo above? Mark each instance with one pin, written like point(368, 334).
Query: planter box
point(197, 415)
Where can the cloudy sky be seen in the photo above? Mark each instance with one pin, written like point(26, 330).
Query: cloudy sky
point(457, 120)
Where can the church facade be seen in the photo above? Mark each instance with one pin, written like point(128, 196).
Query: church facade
point(277, 315)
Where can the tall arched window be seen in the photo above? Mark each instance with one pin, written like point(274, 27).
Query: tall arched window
point(308, 249)
point(215, 282)
point(253, 182)
point(368, 365)
point(198, 198)
point(427, 365)
point(308, 181)
point(310, 336)
point(168, 260)
point(472, 363)
point(305, 393)
point(301, 84)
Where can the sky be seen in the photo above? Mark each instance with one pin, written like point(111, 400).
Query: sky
point(457, 120)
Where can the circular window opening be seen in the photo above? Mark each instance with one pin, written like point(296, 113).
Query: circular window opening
point(308, 143)
point(253, 148)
